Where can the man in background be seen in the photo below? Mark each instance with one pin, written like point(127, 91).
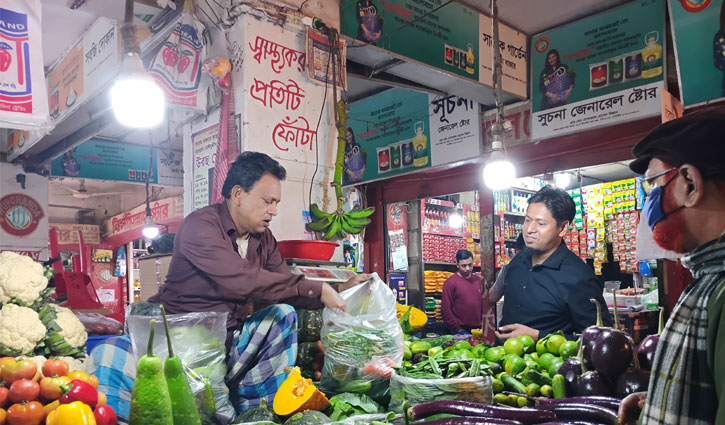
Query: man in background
point(461, 304)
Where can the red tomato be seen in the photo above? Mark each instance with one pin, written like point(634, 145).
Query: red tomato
point(4, 397)
point(50, 387)
point(24, 369)
point(24, 390)
point(55, 368)
point(26, 414)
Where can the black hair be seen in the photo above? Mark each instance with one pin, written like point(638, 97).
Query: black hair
point(557, 201)
point(463, 254)
point(558, 59)
point(248, 169)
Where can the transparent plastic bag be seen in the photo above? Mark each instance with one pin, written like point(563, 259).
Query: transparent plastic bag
point(98, 324)
point(478, 389)
point(362, 345)
point(198, 340)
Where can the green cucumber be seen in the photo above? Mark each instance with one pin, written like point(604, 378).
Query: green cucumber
point(559, 386)
point(512, 384)
point(536, 377)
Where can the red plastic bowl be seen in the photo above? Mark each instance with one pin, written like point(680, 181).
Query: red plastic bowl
point(307, 249)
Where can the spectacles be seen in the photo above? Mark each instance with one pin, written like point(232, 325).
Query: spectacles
point(648, 182)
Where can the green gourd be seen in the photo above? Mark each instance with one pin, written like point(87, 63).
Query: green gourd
point(150, 400)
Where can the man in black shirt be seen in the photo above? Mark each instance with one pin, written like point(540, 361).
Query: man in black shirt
point(547, 287)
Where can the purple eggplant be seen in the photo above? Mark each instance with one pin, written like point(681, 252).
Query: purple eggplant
point(467, 408)
point(648, 346)
point(583, 412)
point(571, 369)
point(632, 381)
point(612, 353)
point(611, 403)
point(472, 420)
point(612, 350)
point(591, 383)
point(589, 337)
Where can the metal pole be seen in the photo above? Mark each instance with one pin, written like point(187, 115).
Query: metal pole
point(497, 128)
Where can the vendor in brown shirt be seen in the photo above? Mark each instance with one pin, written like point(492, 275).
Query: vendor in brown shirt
point(225, 256)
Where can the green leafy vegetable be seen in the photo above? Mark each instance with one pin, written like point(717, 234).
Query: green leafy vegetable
point(348, 404)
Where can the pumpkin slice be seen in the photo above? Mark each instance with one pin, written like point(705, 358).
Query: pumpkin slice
point(297, 394)
point(418, 318)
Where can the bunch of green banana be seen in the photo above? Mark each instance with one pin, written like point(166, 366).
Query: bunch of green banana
point(339, 223)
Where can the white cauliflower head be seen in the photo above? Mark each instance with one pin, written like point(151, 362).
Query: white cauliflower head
point(20, 330)
point(71, 327)
point(21, 278)
point(74, 364)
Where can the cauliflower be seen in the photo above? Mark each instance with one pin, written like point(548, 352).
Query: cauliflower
point(20, 330)
point(75, 364)
point(38, 360)
point(22, 279)
point(66, 334)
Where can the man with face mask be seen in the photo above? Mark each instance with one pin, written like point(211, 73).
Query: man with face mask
point(683, 163)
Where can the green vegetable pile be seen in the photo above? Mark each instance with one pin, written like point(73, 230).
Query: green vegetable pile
point(344, 405)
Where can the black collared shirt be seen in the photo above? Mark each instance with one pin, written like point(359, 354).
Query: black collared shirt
point(554, 295)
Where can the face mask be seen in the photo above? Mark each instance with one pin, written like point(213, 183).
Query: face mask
point(653, 206)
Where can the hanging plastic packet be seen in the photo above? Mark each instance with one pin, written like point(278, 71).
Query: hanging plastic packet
point(177, 65)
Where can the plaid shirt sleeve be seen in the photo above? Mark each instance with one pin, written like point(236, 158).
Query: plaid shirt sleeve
point(114, 364)
point(716, 346)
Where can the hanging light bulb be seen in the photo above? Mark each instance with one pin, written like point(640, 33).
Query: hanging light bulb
point(562, 180)
point(498, 172)
point(136, 99)
point(150, 230)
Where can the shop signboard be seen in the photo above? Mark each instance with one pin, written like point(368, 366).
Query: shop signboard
point(598, 71)
point(455, 129)
point(700, 61)
point(452, 37)
point(68, 233)
point(161, 210)
point(105, 160)
point(23, 210)
point(392, 133)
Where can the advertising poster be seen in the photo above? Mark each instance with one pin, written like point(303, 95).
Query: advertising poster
point(24, 211)
point(456, 129)
point(397, 222)
point(699, 41)
point(388, 134)
point(104, 160)
point(446, 39)
point(598, 71)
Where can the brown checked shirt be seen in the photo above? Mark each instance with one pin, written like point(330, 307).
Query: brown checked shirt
point(208, 274)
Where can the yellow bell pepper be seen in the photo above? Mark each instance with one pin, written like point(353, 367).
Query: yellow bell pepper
point(75, 413)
